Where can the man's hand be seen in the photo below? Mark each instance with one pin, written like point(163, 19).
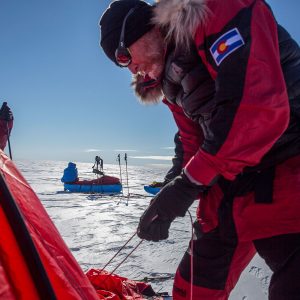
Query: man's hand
point(172, 201)
point(5, 113)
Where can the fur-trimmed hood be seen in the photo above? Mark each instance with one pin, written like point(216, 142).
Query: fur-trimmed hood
point(180, 18)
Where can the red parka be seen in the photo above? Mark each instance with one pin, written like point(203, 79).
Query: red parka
point(250, 124)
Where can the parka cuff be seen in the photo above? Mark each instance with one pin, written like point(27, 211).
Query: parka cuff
point(202, 170)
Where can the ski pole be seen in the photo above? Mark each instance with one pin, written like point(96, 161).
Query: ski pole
point(125, 158)
point(119, 160)
point(8, 141)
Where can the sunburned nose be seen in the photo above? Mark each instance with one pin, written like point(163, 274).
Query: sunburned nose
point(133, 68)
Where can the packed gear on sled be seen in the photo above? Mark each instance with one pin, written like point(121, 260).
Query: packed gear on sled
point(104, 184)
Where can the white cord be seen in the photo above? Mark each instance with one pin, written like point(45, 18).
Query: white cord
point(192, 257)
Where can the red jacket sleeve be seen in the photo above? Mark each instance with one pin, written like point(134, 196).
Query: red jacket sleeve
point(190, 133)
point(251, 103)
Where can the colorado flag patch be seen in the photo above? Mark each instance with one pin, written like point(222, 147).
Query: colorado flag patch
point(226, 44)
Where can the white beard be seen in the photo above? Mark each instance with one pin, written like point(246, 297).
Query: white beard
point(151, 95)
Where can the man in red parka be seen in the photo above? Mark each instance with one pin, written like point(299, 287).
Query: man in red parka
point(231, 77)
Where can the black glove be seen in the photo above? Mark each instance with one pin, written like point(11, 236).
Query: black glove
point(5, 112)
point(172, 201)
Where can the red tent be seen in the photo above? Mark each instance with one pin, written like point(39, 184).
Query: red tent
point(35, 262)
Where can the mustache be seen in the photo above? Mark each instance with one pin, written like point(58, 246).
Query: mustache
point(147, 90)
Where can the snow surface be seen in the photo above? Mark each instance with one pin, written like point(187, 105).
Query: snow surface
point(94, 227)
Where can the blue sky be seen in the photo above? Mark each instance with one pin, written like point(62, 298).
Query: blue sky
point(71, 103)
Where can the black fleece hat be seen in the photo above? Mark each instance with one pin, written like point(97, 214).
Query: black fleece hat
point(137, 24)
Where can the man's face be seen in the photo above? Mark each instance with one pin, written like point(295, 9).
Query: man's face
point(148, 55)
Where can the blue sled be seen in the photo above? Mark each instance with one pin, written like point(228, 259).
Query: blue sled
point(93, 188)
point(151, 190)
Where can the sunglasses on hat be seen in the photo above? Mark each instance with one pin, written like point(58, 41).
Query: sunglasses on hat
point(122, 54)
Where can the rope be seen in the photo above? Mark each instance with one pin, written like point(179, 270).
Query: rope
point(124, 258)
point(118, 251)
point(192, 256)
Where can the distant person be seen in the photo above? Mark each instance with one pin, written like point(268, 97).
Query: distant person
point(70, 174)
point(6, 124)
point(98, 166)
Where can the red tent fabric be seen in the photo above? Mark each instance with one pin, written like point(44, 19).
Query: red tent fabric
point(115, 287)
point(65, 275)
